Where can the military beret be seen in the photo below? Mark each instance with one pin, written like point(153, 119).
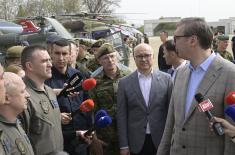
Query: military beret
point(14, 51)
point(223, 37)
point(98, 43)
point(106, 48)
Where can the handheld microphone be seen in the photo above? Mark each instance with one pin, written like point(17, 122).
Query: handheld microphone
point(103, 122)
point(230, 110)
point(85, 106)
point(77, 84)
point(230, 98)
point(205, 106)
point(73, 81)
point(88, 84)
point(100, 114)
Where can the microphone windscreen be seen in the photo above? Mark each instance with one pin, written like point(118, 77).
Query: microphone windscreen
point(100, 114)
point(199, 98)
point(89, 84)
point(87, 105)
point(230, 111)
point(104, 121)
point(230, 98)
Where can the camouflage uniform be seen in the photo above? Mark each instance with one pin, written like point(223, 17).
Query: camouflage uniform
point(83, 62)
point(226, 55)
point(13, 139)
point(105, 97)
point(93, 65)
point(126, 55)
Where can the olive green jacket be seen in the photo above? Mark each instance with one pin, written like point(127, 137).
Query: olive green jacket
point(43, 120)
point(13, 139)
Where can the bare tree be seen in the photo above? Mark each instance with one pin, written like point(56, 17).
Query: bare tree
point(101, 6)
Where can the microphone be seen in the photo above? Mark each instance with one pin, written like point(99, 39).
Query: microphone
point(230, 110)
point(74, 80)
point(100, 114)
point(89, 84)
point(103, 122)
point(87, 105)
point(76, 83)
point(230, 98)
point(205, 106)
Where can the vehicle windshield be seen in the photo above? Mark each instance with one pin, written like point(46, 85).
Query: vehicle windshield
point(59, 28)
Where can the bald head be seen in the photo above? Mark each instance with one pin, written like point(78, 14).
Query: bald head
point(16, 96)
point(143, 47)
point(12, 82)
point(143, 56)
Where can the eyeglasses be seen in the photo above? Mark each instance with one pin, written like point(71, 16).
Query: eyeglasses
point(175, 37)
point(144, 56)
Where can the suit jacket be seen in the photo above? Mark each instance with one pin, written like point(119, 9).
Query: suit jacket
point(190, 134)
point(133, 114)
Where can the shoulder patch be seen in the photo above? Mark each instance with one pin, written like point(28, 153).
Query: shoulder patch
point(6, 142)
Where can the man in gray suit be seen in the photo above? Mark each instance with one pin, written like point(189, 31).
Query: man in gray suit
point(142, 105)
point(186, 131)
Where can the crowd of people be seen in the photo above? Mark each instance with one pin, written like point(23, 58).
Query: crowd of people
point(153, 111)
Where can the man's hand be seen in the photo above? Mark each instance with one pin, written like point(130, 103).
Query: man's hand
point(124, 151)
point(87, 139)
point(229, 129)
point(65, 118)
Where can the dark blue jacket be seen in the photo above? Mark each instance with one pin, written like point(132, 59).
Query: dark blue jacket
point(80, 120)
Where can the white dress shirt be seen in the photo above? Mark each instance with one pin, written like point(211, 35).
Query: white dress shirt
point(145, 86)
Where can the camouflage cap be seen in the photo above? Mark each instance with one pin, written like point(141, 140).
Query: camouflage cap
point(14, 51)
point(223, 37)
point(106, 48)
point(98, 43)
point(84, 42)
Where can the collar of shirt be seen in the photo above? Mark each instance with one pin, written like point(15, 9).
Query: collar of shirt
point(205, 64)
point(140, 75)
point(69, 72)
point(102, 74)
point(181, 65)
point(5, 121)
point(32, 84)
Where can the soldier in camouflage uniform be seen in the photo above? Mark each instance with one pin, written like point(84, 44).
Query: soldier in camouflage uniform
point(13, 139)
point(105, 95)
point(222, 44)
point(84, 58)
point(127, 51)
point(93, 63)
point(13, 55)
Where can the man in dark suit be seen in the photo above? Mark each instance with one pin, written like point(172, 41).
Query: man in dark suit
point(142, 105)
point(186, 131)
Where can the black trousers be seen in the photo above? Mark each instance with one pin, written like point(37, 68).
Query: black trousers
point(148, 147)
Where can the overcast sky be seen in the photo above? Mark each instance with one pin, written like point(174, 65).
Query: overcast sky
point(212, 10)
